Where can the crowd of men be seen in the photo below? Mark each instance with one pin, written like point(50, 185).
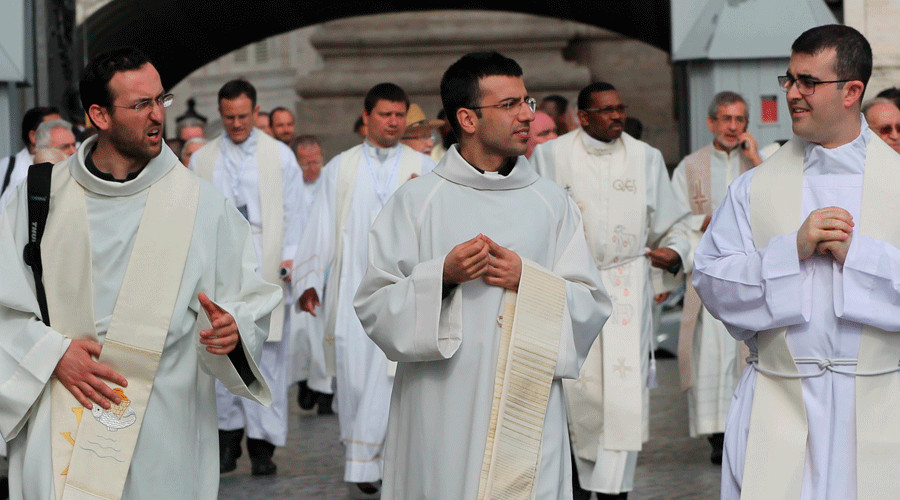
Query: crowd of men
point(474, 295)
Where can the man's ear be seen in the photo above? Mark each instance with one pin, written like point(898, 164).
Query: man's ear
point(853, 92)
point(468, 120)
point(100, 116)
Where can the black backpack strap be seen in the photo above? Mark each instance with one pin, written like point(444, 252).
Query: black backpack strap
point(9, 171)
point(38, 208)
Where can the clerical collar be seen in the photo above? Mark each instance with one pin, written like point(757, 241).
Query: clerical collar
point(596, 145)
point(505, 170)
point(96, 172)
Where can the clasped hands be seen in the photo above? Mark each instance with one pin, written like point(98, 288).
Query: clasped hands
point(826, 231)
point(482, 258)
point(82, 375)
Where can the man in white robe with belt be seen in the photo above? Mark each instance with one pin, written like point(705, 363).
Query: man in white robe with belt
point(482, 287)
point(261, 177)
point(709, 359)
point(355, 185)
point(800, 262)
point(632, 221)
point(151, 292)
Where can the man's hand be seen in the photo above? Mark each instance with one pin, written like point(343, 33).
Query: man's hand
point(705, 223)
point(223, 337)
point(837, 249)
point(467, 261)
point(831, 224)
point(750, 149)
point(664, 258)
point(287, 265)
point(504, 266)
point(80, 373)
point(659, 298)
point(309, 300)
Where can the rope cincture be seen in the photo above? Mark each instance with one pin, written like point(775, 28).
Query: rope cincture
point(824, 365)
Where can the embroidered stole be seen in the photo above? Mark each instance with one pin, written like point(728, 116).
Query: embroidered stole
point(610, 382)
point(776, 445)
point(92, 450)
point(346, 184)
point(528, 352)
point(271, 201)
point(699, 183)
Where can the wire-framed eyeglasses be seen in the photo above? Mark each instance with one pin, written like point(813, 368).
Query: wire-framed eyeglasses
point(512, 106)
point(805, 84)
point(164, 101)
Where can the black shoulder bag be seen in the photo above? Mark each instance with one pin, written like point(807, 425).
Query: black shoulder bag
point(38, 208)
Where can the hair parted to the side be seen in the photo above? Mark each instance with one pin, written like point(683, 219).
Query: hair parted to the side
point(725, 98)
point(853, 54)
point(460, 84)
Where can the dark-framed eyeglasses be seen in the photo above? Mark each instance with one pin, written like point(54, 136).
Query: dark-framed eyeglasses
point(805, 84)
point(164, 101)
point(887, 129)
point(512, 106)
point(607, 110)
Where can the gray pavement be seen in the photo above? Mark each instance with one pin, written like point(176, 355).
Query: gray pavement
point(310, 466)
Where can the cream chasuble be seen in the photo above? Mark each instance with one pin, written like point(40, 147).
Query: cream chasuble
point(611, 376)
point(776, 445)
point(271, 195)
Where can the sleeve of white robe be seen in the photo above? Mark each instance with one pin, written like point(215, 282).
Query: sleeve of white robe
point(668, 219)
point(29, 350)
point(249, 299)
point(867, 291)
point(316, 248)
point(399, 301)
point(294, 208)
point(749, 289)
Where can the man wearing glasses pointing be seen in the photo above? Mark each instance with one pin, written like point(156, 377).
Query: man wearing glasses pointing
point(632, 221)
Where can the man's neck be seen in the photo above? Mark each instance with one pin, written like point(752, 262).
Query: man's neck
point(109, 161)
point(481, 160)
point(845, 135)
point(722, 148)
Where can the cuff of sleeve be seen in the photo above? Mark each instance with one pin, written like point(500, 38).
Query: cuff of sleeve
point(432, 314)
point(859, 257)
point(781, 258)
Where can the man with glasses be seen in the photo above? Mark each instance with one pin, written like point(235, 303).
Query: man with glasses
point(799, 262)
point(883, 116)
point(151, 292)
point(481, 285)
point(261, 177)
point(355, 185)
point(633, 221)
point(709, 359)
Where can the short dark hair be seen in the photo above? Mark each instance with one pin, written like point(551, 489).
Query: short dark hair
point(94, 85)
point(562, 104)
point(385, 91)
point(853, 54)
point(460, 85)
point(277, 109)
point(724, 98)
point(33, 118)
point(584, 97)
point(892, 93)
point(236, 88)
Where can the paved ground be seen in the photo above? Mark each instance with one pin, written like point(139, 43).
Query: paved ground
point(672, 465)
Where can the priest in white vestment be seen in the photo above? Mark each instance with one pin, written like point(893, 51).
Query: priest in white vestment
point(800, 262)
point(261, 177)
point(445, 255)
point(307, 354)
point(108, 211)
point(355, 185)
point(632, 220)
point(12, 177)
point(708, 357)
